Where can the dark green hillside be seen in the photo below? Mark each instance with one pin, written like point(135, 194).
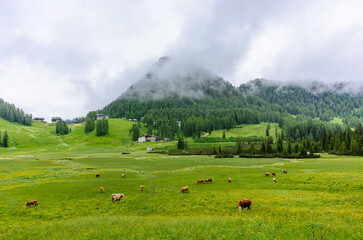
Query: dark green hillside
point(324, 104)
point(13, 114)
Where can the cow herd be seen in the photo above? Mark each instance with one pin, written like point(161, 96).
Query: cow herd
point(116, 197)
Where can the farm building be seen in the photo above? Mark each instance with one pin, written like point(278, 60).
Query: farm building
point(100, 116)
point(71, 121)
point(39, 119)
point(148, 138)
point(55, 119)
point(178, 123)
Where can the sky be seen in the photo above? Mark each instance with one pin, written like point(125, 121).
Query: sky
point(68, 57)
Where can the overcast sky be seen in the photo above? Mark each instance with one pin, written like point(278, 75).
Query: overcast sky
point(65, 58)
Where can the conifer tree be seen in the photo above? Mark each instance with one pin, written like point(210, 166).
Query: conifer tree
point(180, 143)
point(279, 147)
point(6, 139)
point(238, 146)
point(289, 149)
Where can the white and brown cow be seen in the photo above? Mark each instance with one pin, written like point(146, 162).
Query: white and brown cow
point(244, 203)
point(116, 197)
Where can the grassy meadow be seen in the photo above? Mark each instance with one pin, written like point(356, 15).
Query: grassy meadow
point(318, 198)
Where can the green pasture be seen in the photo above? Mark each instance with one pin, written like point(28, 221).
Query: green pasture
point(248, 130)
point(317, 198)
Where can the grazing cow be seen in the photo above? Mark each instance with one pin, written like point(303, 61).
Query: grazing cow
point(273, 174)
point(141, 187)
point(31, 202)
point(274, 180)
point(97, 175)
point(116, 197)
point(267, 174)
point(184, 189)
point(200, 181)
point(229, 180)
point(245, 203)
point(123, 175)
point(284, 171)
point(101, 189)
point(208, 180)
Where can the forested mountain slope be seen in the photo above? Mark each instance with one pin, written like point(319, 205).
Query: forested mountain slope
point(203, 101)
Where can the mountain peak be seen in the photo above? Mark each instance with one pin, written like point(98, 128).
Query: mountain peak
point(171, 77)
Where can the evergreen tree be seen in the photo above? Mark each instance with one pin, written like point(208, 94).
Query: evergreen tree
point(149, 130)
point(296, 148)
point(268, 148)
point(180, 143)
point(303, 150)
point(219, 153)
point(289, 149)
point(279, 147)
point(135, 132)
point(238, 146)
point(6, 139)
point(224, 134)
point(354, 147)
point(102, 127)
point(89, 125)
point(268, 130)
point(252, 149)
point(324, 139)
point(263, 148)
point(343, 148)
point(61, 127)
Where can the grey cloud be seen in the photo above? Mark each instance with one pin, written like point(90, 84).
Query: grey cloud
point(95, 51)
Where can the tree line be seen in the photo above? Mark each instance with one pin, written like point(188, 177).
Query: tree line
point(13, 114)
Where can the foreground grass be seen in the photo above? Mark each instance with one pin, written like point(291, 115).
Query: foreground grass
point(317, 198)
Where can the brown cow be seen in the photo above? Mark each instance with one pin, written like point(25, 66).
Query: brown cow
point(284, 171)
point(267, 174)
point(116, 197)
point(208, 180)
point(141, 187)
point(200, 181)
point(97, 175)
point(184, 189)
point(229, 180)
point(273, 174)
point(31, 202)
point(245, 203)
point(274, 180)
point(101, 189)
point(123, 175)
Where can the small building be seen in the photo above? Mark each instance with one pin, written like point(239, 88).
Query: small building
point(71, 121)
point(100, 116)
point(178, 123)
point(55, 119)
point(141, 139)
point(39, 119)
point(148, 138)
point(167, 139)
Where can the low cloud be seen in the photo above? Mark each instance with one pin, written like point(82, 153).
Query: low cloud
point(66, 58)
